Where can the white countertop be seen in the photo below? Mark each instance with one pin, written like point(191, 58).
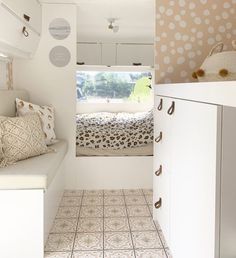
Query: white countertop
point(220, 93)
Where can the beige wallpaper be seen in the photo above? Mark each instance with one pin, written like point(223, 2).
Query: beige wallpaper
point(186, 31)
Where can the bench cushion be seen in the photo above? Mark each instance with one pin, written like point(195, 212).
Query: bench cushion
point(34, 173)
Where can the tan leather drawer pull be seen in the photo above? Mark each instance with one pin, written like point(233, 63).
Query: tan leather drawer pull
point(160, 106)
point(158, 204)
point(159, 171)
point(159, 138)
point(171, 109)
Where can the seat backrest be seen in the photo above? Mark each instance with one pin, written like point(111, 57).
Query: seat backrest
point(7, 101)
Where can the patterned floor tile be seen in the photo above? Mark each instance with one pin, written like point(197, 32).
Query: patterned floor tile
point(57, 255)
point(151, 253)
point(112, 192)
point(73, 193)
point(133, 192)
point(90, 225)
point(60, 242)
point(116, 224)
point(138, 211)
point(141, 224)
point(147, 191)
point(93, 193)
point(135, 200)
point(114, 200)
point(64, 226)
point(149, 199)
point(67, 212)
point(119, 254)
point(92, 200)
point(71, 201)
point(88, 241)
point(88, 254)
point(117, 240)
point(145, 240)
point(91, 212)
point(114, 211)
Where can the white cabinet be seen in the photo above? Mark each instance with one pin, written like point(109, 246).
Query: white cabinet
point(89, 54)
point(28, 10)
point(18, 38)
point(135, 54)
point(195, 206)
point(108, 54)
point(111, 54)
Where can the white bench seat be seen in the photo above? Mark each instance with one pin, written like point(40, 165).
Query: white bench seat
point(33, 173)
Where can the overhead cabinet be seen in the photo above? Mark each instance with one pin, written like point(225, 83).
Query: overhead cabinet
point(89, 54)
point(28, 10)
point(194, 193)
point(20, 37)
point(115, 54)
point(135, 54)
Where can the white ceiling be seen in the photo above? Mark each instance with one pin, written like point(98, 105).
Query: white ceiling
point(136, 19)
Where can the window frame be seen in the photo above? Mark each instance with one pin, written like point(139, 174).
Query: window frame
point(86, 107)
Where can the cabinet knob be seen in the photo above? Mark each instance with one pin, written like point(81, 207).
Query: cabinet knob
point(158, 204)
point(160, 106)
point(25, 32)
point(171, 109)
point(159, 138)
point(80, 63)
point(159, 171)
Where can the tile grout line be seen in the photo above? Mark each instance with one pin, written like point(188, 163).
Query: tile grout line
point(129, 223)
point(80, 208)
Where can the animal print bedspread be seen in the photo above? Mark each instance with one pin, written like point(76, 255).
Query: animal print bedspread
point(114, 130)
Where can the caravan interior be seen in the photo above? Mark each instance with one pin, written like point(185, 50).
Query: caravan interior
point(117, 129)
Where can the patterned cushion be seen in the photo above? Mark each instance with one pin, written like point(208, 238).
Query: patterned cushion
point(21, 138)
point(46, 113)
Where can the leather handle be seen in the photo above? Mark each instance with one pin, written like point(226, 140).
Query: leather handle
point(159, 171)
point(158, 204)
point(171, 109)
point(25, 32)
point(137, 64)
point(159, 138)
point(160, 106)
point(26, 17)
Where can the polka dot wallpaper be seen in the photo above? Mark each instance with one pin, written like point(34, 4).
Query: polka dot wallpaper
point(186, 30)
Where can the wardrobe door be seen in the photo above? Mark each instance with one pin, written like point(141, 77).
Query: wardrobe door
point(196, 134)
point(162, 165)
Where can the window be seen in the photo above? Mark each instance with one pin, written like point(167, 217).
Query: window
point(114, 87)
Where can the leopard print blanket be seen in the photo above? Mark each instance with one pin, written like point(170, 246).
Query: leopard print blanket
point(114, 130)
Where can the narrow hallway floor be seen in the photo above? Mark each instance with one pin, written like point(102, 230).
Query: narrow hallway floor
point(106, 224)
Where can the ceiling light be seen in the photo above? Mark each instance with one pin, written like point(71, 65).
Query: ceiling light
point(111, 26)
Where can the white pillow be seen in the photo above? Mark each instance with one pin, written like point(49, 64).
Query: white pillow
point(46, 114)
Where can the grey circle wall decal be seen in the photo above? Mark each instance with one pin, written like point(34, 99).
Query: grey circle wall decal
point(59, 28)
point(59, 56)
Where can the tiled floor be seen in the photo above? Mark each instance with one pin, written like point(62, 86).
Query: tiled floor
point(106, 224)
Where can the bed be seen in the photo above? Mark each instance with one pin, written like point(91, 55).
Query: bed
point(114, 134)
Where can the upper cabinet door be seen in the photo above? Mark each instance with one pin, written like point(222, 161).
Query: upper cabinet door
point(135, 54)
point(28, 10)
point(109, 54)
point(89, 54)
